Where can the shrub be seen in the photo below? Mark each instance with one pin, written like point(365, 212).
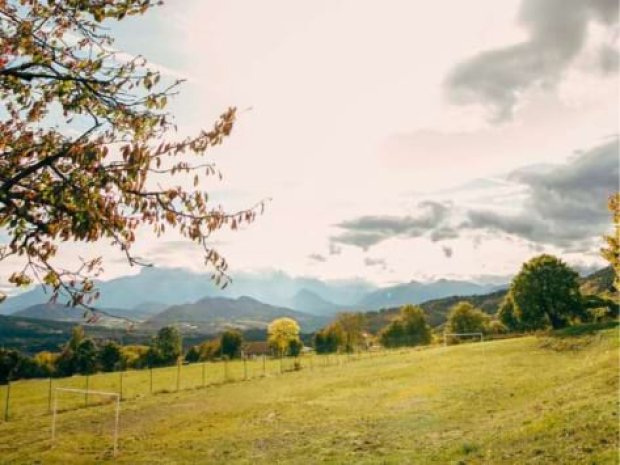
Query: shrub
point(465, 318)
point(409, 329)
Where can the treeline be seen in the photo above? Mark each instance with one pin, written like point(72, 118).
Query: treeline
point(544, 294)
point(84, 355)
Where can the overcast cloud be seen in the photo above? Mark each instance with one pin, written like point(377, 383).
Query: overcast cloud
point(370, 230)
point(557, 31)
point(561, 205)
point(565, 206)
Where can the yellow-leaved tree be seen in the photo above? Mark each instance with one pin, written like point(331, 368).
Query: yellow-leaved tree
point(283, 334)
point(611, 252)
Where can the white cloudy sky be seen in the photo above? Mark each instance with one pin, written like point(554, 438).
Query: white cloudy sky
point(397, 139)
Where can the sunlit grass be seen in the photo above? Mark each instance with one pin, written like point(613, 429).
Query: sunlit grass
point(526, 400)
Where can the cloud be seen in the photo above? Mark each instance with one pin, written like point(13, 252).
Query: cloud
point(367, 231)
point(557, 31)
point(375, 262)
point(447, 251)
point(334, 249)
point(565, 206)
point(443, 233)
point(317, 258)
point(561, 205)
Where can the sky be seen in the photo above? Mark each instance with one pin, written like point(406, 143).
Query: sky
point(396, 140)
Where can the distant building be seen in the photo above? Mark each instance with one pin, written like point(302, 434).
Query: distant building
point(255, 349)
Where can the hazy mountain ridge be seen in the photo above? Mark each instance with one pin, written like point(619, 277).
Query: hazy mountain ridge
point(57, 312)
point(155, 289)
point(213, 314)
point(416, 292)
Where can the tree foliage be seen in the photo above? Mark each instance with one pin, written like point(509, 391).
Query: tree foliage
point(85, 147)
point(546, 292)
point(230, 344)
point(79, 355)
point(111, 356)
point(352, 327)
point(193, 354)
point(611, 252)
point(506, 313)
point(281, 333)
point(465, 318)
point(410, 328)
point(329, 339)
point(166, 347)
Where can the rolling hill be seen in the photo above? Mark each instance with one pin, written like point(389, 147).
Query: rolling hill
point(213, 314)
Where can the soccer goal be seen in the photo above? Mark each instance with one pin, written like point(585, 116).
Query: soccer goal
point(115, 396)
point(468, 335)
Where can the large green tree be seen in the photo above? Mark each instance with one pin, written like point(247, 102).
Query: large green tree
point(546, 292)
point(409, 329)
point(85, 145)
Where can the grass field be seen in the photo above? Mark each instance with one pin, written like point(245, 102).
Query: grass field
point(551, 400)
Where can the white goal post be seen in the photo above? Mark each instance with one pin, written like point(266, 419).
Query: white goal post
point(114, 395)
point(446, 335)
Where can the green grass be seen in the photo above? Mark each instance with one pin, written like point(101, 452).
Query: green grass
point(537, 400)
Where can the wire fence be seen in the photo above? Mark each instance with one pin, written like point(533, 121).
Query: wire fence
point(27, 398)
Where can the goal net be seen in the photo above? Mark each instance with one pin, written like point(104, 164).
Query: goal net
point(447, 337)
point(114, 397)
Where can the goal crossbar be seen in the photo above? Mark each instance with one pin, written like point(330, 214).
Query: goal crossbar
point(115, 395)
point(445, 336)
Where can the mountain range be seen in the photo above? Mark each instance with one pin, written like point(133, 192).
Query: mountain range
point(155, 289)
point(34, 329)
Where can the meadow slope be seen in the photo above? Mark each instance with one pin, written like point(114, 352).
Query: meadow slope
point(538, 400)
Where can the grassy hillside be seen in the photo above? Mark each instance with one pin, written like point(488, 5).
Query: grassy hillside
point(543, 400)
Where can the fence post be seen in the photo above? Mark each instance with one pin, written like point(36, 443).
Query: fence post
point(264, 365)
point(120, 390)
point(204, 378)
point(86, 393)
point(6, 401)
point(49, 397)
point(225, 369)
point(151, 378)
point(178, 374)
point(245, 368)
